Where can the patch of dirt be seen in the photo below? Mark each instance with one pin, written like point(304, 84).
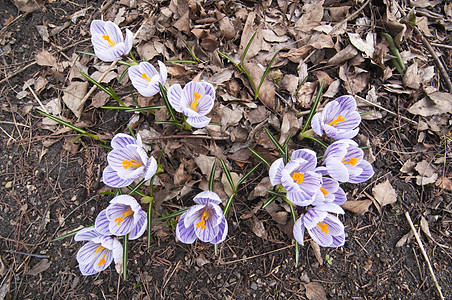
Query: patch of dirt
point(51, 179)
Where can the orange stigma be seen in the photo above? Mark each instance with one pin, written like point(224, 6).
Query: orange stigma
point(351, 161)
point(119, 220)
point(107, 38)
point(202, 224)
point(130, 163)
point(145, 77)
point(298, 177)
point(324, 192)
point(323, 227)
point(338, 120)
point(194, 104)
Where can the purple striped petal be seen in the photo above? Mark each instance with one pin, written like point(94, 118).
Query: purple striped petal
point(347, 102)
point(275, 171)
point(207, 197)
point(110, 177)
point(113, 32)
point(316, 125)
point(313, 216)
point(193, 214)
point(86, 234)
point(337, 170)
point(151, 168)
point(175, 97)
point(207, 233)
point(339, 197)
point(298, 230)
point(366, 174)
point(163, 71)
point(128, 42)
point(121, 140)
point(222, 232)
point(102, 223)
point(308, 155)
point(322, 239)
point(140, 226)
point(199, 121)
point(97, 27)
point(184, 234)
point(205, 105)
point(338, 241)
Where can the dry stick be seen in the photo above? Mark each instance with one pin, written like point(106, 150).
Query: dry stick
point(407, 215)
point(441, 45)
point(93, 88)
point(427, 45)
point(37, 98)
point(386, 110)
point(255, 256)
point(170, 137)
point(351, 17)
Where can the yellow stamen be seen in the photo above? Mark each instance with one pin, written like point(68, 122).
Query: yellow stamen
point(110, 42)
point(145, 77)
point(102, 261)
point(334, 122)
point(119, 220)
point(324, 192)
point(194, 104)
point(351, 161)
point(100, 248)
point(323, 227)
point(298, 177)
point(202, 224)
point(130, 163)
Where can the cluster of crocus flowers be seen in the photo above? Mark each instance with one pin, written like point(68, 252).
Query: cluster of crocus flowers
point(96, 255)
point(204, 221)
point(108, 41)
point(195, 101)
point(146, 79)
point(127, 162)
point(338, 120)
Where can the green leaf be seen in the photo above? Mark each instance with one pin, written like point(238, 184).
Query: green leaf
point(168, 123)
point(133, 190)
point(321, 143)
point(181, 61)
point(246, 49)
point(212, 176)
point(314, 107)
point(228, 204)
point(192, 53)
point(247, 175)
point(256, 92)
point(69, 234)
point(259, 156)
point(277, 194)
point(125, 249)
point(269, 201)
point(294, 218)
point(230, 60)
point(278, 146)
point(228, 176)
point(173, 215)
point(149, 219)
point(167, 104)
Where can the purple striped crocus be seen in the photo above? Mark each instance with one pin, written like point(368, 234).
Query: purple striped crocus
point(324, 228)
point(108, 41)
point(344, 162)
point(123, 216)
point(298, 176)
point(127, 162)
point(338, 120)
point(195, 101)
point(330, 192)
point(146, 79)
point(96, 255)
point(205, 221)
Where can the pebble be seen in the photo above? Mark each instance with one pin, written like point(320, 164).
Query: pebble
point(9, 185)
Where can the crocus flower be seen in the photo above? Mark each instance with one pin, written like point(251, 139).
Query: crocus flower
point(344, 162)
point(330, 192)
point(146, 79)
point(338, 120)
point(96, 255)
point(204, 221)
point(324, 228)
point(195, 101)
point(298, 176)
point(127, 161)
point(108, 41)
point(123, 216)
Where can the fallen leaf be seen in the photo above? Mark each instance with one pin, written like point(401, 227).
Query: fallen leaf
point(39, 267)
point(73, 95)
point(317, 253)
point(45, 58)
point(227, 187)
point(444, 183)
point(405, 239)
point(271, 37)
point(315, 291)
point(290, 125)
point(258, 228)
point(261, 188)
point(366, 46)
point(226, 26)
point(248, 30)
point(180, 176)
point(424, 227)
point(384, 193)
point(28, 6)
point(183, 23)
point(408, 166)
point(267, 92)
point(436, 103)
point(411, 78)
point(359, 207)
point(43, 32)
point(230, 117)
point(425, 169)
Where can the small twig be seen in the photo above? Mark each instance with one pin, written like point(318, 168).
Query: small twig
point(407, 215)
point(170, 137)
point(351, 17)
point(441, 45)
point(255, 256)
point(28, 254)
point(37, 98)
point(386, 110)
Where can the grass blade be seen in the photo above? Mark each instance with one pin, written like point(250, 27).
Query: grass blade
point(149, 216)
point(182, 61)
point(256, 92)
point(125, 249)
point(167, 104)
point(69, 234)
point(314, 107)
point(230, 60)
point(321, 143)
point(259, 156)
point(228, 204)
point(173, 215)
point(67, 124)
point(192, 53)
point(228, 176)
point(277, 194)
point(280, 148)
point(247, 175)
point(100, 86)
point(269, 201)
point(212, 176)
point(246, 49)
point(294, 218)
point(133, 190)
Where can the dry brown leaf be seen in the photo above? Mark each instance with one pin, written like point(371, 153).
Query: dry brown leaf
point(444, 183)
point(436, 103)
point(315, 291)
point(39, 267)
point(100, 99)
point(408, 166)
point(205, 163)
point(45, 58)
point(227, 187)
point(258, 228)
point(226, 25)
point(230, 117)
point(321, 41)
point(366, 46)
point(267, 91)
point(384, 193)
point(271, 37)
point(261, 188)
point(73, 95)
point(411, 78)
point(359, 207)
point(290, 83)
point(427, 173)
point(304, 95)
point(311, 17)
point(183, 23)
point(317, 253)
point(28, 6)
point(424, 227)
point(290, 124)
point(180, 177)
point(294, 55)
point(248, 30)
point(405, 239)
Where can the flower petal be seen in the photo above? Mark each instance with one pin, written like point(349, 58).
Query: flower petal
point(298, 230)
point(163, 72)
point(185, 234)
point(128, 42)
point(315, 124)
point(86, 234)
point(175, 97)
point(151, 168)
point(206, 197)
point(110, 177)
point(222, 232)
point(121, 140)
point(337, 170)
point(140, 226)
point(275, 171)
point(102, 223)
point(199, 121)
point(365, 175)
